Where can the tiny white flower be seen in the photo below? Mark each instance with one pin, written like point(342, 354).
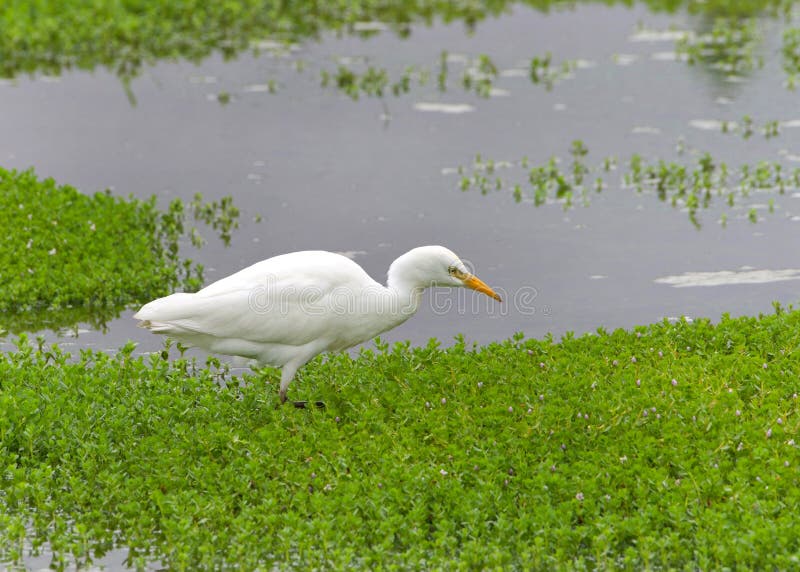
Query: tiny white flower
point(443, 472)
point(579, 496)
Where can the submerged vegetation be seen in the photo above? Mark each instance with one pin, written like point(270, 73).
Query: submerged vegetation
point(668, 446)
point(69, 257)
point(689, 186)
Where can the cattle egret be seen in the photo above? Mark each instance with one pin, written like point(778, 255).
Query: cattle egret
point(285, 310)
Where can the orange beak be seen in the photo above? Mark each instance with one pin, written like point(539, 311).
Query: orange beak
point(480, 286)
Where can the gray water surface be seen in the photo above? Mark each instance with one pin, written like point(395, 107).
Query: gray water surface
point(372, 179)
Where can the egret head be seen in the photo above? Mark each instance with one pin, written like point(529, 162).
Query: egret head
point(436, 266)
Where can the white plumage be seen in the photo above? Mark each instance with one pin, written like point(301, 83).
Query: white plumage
point(285, 310)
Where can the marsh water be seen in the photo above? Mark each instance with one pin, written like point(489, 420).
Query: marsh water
point(376, 177)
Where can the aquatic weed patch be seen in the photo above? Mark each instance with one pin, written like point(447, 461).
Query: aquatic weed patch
point(729, 47)
point(49, 37)
point(691, 186)
point(473, 74)
point(67, 257)
point(672, 445)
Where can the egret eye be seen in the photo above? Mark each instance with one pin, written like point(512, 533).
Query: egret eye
point(452, 270)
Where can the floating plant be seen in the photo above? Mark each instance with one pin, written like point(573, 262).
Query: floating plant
point(542, 71)
point(634, 448)
point(67, 256)
point(689, 186)
point(355, 78)
point(730, 46)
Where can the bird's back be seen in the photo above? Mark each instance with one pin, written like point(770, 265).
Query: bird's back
point(268, 309)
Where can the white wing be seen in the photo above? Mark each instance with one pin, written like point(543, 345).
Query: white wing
point(285, 300)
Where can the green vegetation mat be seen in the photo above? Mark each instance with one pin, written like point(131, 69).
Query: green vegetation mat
point(669, 446)
point(46, 36)
point(67, 257)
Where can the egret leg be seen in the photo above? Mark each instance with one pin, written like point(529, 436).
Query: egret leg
point(287, 375)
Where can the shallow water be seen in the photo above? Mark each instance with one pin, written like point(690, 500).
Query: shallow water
point(327, 172)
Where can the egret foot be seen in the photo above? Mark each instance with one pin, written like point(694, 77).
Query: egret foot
point(304, 404)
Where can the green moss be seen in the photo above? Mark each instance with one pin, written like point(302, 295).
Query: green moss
point(669, 446)
point(68, 257)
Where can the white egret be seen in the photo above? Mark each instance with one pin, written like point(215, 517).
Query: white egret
point(285, 310)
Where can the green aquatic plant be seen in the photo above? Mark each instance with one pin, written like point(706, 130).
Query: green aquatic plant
point(771, 129)
point(48, 37)
point(730, 46)
point(477, 76)
point(688, 186)
point(373, 82)
point(542, 72)
point(71, 257)
point(636, 449)
point(222, 216)
point(790, 50)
